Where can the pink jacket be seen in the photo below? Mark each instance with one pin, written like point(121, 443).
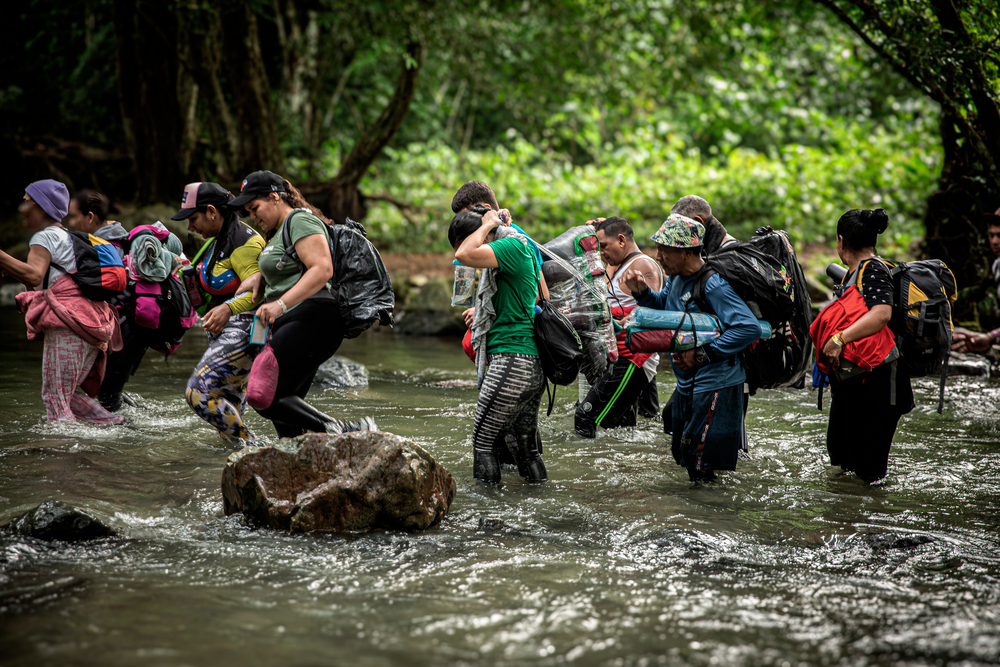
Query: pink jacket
point(63, 306)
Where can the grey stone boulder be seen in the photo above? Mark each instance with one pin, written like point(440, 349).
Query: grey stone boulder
point(341, 373)
point(54, 520)
point(974, 365)
point(429, 312)
point(352, 482)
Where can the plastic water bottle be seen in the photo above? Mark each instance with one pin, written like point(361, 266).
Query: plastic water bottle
point(465, 279)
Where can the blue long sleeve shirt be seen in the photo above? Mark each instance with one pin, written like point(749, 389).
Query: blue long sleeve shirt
point(723, 369)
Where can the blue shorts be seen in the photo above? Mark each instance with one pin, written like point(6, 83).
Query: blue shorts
point(708, 429)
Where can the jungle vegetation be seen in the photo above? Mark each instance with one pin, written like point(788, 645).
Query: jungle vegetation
point(783, 112)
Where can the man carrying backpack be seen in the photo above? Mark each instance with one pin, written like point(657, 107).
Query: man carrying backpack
point(707, 412)
point(613, 401)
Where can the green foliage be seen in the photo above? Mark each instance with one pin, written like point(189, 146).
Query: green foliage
point(803, 190)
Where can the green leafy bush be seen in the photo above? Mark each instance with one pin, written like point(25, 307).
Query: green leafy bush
point(804, 190)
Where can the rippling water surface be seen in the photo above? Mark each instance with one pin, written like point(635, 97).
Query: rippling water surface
point(617, 560)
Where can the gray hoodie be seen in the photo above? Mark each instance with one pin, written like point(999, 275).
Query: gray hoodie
point(114, 233)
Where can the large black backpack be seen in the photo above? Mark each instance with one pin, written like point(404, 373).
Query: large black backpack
point(785, 359)
point(559, 347)
point(360, 282)
point(764, 274)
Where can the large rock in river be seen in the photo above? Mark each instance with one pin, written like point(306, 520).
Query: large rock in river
point(55, 520)
point(344, 483)
point(341, 373)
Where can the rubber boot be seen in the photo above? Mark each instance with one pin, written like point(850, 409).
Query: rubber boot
point(583, 425)
point(485, 466)
point(529, 460)
point(298, 417)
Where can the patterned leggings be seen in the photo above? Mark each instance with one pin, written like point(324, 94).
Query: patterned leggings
point(217, 390)
point(66, 362)
point(507, 414)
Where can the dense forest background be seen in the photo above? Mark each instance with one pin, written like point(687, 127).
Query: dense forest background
point(781, 113)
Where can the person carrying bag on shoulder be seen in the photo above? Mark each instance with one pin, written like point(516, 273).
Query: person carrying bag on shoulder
point(856, 348)
point(304, 325)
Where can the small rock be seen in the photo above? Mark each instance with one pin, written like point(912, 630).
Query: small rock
point(346, 483)
point(491, 523)
point(342, 373)
point(56, 521)
point(419, 280)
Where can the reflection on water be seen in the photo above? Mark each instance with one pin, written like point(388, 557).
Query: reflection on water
point(617, 560)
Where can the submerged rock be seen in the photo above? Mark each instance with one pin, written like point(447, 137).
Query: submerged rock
point(975, 365)
point(342, 373)
point(346, 483)
point(56, 521)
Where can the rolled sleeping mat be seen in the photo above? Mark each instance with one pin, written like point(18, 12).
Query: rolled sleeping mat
point(650, 318)
point(673, 340)
point(668, 340)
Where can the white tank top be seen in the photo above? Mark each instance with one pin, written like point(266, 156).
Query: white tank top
point(620, 297)
point(623, 299)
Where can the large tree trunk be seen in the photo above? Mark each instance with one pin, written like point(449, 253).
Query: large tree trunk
point(251, 94)
point(340, 198)
point(146, 54)
point(955, 227)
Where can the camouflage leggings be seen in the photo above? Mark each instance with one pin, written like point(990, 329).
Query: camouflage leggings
point(217, 390)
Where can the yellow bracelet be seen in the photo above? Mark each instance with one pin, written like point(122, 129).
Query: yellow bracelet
point(838, 338)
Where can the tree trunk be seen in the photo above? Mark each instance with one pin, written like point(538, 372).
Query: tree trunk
point(341, 198)
point(955, 229)
point(251, 93)
point(147, 65)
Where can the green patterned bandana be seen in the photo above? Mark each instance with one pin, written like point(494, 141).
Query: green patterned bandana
point(679, 231)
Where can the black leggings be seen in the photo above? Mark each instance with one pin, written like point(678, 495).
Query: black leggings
point(120, 367)
point(301, 340)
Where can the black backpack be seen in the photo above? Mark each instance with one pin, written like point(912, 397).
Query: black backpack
point(360, 283)
point(559, 347)
point(785, 359)
point(764, 281)
point(158, 313)
point(921, 315)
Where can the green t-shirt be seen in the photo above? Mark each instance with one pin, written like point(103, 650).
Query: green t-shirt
point(280, 281)
point(513, 332)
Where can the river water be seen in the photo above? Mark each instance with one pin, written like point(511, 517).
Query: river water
point(617, 560)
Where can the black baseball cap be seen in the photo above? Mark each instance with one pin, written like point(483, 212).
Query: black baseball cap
point(200, 195)
point(258, 184)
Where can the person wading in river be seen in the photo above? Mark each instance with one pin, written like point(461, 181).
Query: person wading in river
point(306, 327)
point(707, 411)
point(863, 415)
point(217, 388)
point(503, 335)
point(78, 333)
point(613, 401)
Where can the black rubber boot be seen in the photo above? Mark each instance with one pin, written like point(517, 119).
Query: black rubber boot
point(485, 467)
point(582, 424)
point(529, 460)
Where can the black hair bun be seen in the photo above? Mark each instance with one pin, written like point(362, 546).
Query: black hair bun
point(481, 210)
point(877, 220)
